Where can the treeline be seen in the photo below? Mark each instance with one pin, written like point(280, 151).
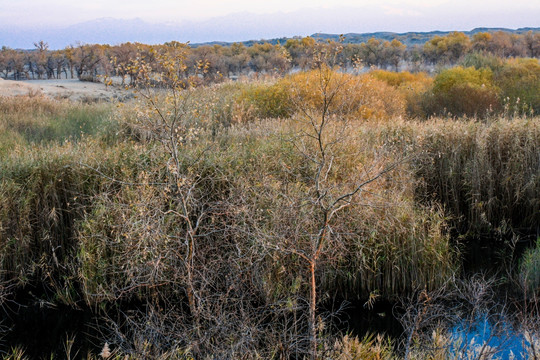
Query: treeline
point(89, 61)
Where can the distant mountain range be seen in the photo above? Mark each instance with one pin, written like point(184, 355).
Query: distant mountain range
point(239, 27)
point(408, 38)
point(415, 38)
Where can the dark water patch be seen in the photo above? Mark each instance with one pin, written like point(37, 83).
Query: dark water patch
point(42, 330)
point(360, 318)
point(492, 253)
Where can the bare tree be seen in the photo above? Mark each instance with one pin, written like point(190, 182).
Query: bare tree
point(312, 235)
point(215, 276)
point(86, 59)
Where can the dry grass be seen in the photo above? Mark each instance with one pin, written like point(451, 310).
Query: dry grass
point(96, 219)
point(40, 119)
point(485, 174)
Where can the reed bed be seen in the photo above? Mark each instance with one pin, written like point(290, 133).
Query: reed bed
point(89, 208)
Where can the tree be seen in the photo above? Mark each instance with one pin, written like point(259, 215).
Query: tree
point(86, 59)
point(350, 57)
point(239, 58)
point(301, 51)
point(481, 42)
point(18, 65)
point(40, 58)
point(446, 49)
point(122, 58)
point(532, 41)
point(69, 54)
point(216, 60)
point(61, 62)
point(268, 58)
point(372, 52)
point(55, 65)
point(504, 45)
point(310, 232)
point(6, 61)
point(394, 52)
point(380, 53)
point(164, 115)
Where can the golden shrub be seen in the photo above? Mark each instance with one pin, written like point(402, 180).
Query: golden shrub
point(348, 95)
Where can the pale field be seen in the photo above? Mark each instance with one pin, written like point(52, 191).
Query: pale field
point(72, 89)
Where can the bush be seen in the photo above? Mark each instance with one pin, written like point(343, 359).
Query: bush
point(482, 61)
point(519, 80)
point(267, 101)
point(401, 79)
point(463, 92)
point(411, 86)
point(353, 96)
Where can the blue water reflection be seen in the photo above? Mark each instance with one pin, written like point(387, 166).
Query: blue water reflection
point(483, 338)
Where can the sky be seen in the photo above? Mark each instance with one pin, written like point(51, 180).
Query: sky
point(64, 22)
point(68, 12)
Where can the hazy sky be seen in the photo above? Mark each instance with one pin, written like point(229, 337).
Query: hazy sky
point(64, 22)
point(67, 12)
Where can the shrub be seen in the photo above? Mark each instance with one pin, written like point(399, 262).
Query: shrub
point(375, 246)
point(267, 101)
point(353, 96)
point(401, 79)
point(411, 86)
point(463, 92)
point(519, 80)
point(482, 61)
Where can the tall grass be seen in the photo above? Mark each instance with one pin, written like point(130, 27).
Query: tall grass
point(45, 190)
point(530, 270)
point(486, 175)
point(39, 119)
point(94, 219)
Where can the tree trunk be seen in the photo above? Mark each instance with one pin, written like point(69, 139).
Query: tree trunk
point(312, 312)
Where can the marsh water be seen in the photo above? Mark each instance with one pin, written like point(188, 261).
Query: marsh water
point(486, 338)
point(42, 328)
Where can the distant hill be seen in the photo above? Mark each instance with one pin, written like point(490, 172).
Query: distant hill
point(408, 38)
point(413, 38)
